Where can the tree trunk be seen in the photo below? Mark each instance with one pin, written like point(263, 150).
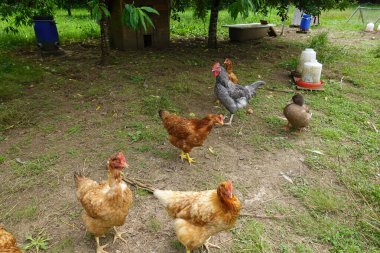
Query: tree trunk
point(104, 38)
point(212, 29)
point(69, 5)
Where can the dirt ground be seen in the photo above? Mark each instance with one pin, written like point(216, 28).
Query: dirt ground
point(85, 117)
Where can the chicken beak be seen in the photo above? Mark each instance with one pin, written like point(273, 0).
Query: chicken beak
point(125, 166)
point(230, 195)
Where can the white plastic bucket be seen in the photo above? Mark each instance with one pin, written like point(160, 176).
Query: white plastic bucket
point(311, 72)
point(307, 55)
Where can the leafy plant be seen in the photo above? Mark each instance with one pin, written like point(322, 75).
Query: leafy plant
point(38, 243)
point(137, 17)
point(135, 136)
point(18, 13)
point(98, 9)
point(242, 7)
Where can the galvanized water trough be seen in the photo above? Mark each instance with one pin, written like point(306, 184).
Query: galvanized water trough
point(251, 31)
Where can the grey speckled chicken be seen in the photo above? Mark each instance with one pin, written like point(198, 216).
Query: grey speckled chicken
point(297, 113)
point(232, 96)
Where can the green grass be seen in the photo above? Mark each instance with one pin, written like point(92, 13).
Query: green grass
point(141, 192)
point(37, 243)
point(28, 211)
point(153, 224)
point(337, 202)
point(251, 238)
point(65, 245)
point(35, 166)
point(321, 200)
point(78, 27)
point(16, 74)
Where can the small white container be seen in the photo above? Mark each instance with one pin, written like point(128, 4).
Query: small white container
point(311, 72)
point(370, 27)
point(307, 55)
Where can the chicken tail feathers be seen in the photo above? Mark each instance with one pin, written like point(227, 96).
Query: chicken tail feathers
point(163, 196)
point(78, 176)
point(252, 87)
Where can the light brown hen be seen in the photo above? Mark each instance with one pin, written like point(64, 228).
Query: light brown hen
point(105, 204)
point(200, 215)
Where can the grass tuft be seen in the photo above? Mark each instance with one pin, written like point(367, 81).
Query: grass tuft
point(251, 238)
point(35, 166)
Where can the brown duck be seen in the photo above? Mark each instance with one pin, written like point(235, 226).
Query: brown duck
point(297, 113)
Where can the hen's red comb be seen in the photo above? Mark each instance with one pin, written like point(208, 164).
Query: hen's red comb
point(121, 157)
point(216, 65)
point(229, 185)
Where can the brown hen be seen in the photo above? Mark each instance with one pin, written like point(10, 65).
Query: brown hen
point(231, 75)
point(200, 215)
point(105, 204)
point(186, 134)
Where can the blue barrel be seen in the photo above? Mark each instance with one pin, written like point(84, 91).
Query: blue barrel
point(305, 22)
point(46, 32)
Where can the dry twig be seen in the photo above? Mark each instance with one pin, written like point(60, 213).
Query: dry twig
point(266, 217)
point(139, 184)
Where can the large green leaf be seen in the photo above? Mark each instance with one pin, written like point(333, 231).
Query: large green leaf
point(149, 9)
point(137, 18)
point(141, 17)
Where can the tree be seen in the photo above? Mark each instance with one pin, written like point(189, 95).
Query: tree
point(16, 13)
point(244, 7)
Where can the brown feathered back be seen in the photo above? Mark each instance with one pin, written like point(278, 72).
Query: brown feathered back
point(187, 133)
point(297, 113)
point(199, 215)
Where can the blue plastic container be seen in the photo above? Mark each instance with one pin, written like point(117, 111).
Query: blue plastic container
point(46, 32)
point(305, 22)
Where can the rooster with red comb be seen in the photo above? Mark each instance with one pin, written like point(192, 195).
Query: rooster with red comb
point(231, 96)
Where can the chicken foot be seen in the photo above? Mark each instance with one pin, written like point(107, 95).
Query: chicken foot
point(118, 235)
point(209, 245)
point(189, 159)
point(186, 156)
point(99, 249)
point(230, 121)
point(183, 155)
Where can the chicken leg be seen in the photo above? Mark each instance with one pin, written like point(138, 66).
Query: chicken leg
point(118, 236)
point(99, 249)
point(183, 155)
point(230, 121)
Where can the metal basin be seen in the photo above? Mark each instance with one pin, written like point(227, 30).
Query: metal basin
point(252, 31)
